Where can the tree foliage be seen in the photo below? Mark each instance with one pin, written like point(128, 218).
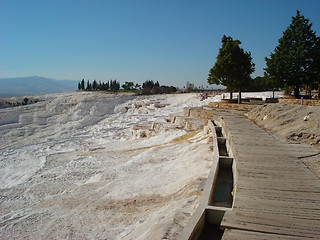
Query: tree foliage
point(112, 85)
point(128, 86)
point(190, 86)
point(150, 84)
point(25, 101)
point(82, 85)
point(233, 66)
point(88, 88)
point(151, 87)
point(259, 84)
point(294, 61)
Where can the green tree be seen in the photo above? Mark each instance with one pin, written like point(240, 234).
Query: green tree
point(173, 89)
point(88, 86)
point(94, 85)
point(317, 64)
point(114, 85)
point(293, 61)
point(148, 84)
point(233, 66)
point(25, 101)
point(128, 85)
point(82, 84)
point(137, 86)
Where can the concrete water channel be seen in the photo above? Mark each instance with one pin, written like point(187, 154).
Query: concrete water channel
point(219, 192)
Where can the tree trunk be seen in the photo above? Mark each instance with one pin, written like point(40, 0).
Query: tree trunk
point(272, 92)
point(239, 97)
point(231, 94)
point(296, 91)
point(290, 90)
point(309, 90)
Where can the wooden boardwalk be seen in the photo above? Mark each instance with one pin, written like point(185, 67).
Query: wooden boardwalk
point(276, 197)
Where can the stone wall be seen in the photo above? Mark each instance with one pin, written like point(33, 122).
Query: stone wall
point(308, 102)
point(243, 107)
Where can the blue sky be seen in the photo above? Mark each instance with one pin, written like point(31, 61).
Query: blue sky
point(167, 41)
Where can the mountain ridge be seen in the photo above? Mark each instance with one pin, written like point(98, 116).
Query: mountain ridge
point(34, 85)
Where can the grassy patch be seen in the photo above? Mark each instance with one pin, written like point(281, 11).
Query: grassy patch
point(185, 137)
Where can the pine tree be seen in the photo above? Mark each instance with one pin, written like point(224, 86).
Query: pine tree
point(233, 66)
point(88, 86)
point(82, 84)
point(94, 85)
point(148, 84)
point(137, 86)
point(293, 62)
point(128, 85)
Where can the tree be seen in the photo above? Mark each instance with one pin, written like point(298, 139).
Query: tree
point(189, 86)
point(94, 85)
point(233, 66)
point(173, 89)
point(128, 85)
point(25, 101)
point(114, 85)
point(82, 84)
point(137, 86)
point(293, 62)
point(148, 84)
point(88, 86)
point(317, 64)
point(107, 86)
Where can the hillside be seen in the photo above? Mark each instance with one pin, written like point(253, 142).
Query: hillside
point(295, 123)
point(34, 85)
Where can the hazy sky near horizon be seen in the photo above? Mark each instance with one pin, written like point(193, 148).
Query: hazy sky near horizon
point(169, 41)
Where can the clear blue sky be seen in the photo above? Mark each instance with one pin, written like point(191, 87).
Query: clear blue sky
point(169, 41)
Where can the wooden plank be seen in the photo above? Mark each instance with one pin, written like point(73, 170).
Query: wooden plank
point(281, 225)
point(235, 234)
point(280, 195)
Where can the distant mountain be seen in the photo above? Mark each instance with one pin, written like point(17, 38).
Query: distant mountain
point(34, 85)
